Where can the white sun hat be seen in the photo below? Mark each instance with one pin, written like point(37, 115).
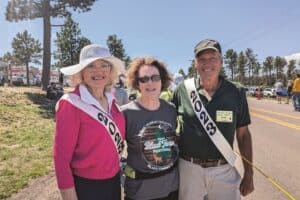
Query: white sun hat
point(91, 53)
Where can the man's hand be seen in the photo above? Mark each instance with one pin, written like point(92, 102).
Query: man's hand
point(245, 146)
point(247, 185)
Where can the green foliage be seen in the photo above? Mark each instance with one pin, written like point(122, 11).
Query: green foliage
point(267, 68)
point(69, 42)
point(116, 48)
point(279, 64)
point(8, 58)
point(255, 73)
point(241, 66)
point(26, 50)
point(291, 68)
point(192, 70)
point(28, 9)
point(17, 10)
point(250, 63)
point(181, 71)
point(230, 61)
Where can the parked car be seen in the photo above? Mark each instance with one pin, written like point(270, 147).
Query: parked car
point(269, 92)
point(18, 81)
point(251, 91)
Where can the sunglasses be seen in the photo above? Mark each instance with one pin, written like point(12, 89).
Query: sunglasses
point(146, 79)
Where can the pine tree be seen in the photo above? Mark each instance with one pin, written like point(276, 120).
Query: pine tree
point(116, 48)
point(192, 70)
point(290, 68)
point(279, 64)
point(241, 65)
point(18, 10)
point(181, 71)
point(250, 63)
point(268, 68)
point(230, 60)
point(69, 42)
point(26, 50)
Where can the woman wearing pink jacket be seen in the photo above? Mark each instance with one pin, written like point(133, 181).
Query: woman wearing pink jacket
point(90, 129)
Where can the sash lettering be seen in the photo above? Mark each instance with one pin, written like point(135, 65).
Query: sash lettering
point(211, 128)
point(101, 117)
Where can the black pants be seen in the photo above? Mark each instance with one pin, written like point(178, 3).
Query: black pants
point(88, 189)
point(171, 196)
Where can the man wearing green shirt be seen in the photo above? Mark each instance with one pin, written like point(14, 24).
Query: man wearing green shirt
point(204, 172)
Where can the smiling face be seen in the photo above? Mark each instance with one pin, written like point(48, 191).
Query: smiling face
point(97, 74)
point(208, 64)
point(149, 81)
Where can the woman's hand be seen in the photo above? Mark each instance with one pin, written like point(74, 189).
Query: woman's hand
point(68, 194)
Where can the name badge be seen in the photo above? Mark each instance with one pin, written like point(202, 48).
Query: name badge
point(224, 116)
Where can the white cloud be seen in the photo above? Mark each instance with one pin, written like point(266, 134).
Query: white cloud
point(295, 56)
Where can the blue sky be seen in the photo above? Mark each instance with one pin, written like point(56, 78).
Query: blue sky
point(169, 29)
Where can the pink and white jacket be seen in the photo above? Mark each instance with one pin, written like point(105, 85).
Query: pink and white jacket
point(82, 145)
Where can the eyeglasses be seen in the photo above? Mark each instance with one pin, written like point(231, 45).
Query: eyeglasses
point(104, 66)
point(146, 79)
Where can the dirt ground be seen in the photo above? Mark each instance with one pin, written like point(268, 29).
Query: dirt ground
point(42, 188)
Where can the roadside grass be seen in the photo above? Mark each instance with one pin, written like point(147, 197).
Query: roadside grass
point(26, 136)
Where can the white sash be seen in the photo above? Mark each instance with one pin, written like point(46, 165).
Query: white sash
point(211, 128)
point(99, 116)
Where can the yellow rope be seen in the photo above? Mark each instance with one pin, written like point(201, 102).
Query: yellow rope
point(270, 179)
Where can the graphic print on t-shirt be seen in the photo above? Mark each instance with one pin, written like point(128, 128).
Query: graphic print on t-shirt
point(158, 144)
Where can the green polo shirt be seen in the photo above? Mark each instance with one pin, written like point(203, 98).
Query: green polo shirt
point(228, 101)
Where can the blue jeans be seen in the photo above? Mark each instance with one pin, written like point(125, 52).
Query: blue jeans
point(296, 100)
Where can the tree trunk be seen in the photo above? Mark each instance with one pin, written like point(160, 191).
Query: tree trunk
point(10, 75)
point(27, 74)
point(249, 75)
point(46, 47)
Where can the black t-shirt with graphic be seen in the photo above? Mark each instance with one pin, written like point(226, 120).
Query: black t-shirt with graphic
point(150, 137)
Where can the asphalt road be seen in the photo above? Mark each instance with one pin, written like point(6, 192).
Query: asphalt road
point(275, 133)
